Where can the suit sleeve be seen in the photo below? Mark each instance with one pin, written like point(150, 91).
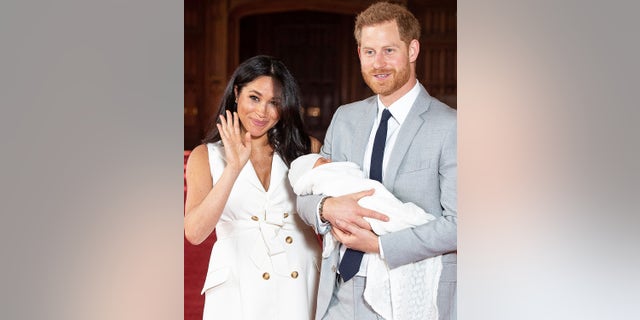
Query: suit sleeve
point(438, 236)
point(307, 209)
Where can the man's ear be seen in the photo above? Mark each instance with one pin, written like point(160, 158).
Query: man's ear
point(414, 49)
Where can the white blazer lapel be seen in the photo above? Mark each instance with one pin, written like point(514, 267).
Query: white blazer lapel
point(249, 173)
point(279, 171)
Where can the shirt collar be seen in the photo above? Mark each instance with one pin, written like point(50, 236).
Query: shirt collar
point(400, 109)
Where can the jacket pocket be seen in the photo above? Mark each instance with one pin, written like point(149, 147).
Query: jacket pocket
point(215, 278)
point(414, 165)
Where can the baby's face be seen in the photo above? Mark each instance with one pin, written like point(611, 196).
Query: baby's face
point(321, 161)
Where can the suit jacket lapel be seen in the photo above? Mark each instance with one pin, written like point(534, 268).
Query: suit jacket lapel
point(362, 131)
point(415, 119)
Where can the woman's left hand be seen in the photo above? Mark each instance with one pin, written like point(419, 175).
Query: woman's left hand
point(237, 146)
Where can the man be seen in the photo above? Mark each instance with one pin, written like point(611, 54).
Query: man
point(405, 138)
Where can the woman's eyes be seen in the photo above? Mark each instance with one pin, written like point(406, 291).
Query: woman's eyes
point(255, 98)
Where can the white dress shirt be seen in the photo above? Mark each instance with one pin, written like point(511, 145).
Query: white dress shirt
point(399, 111)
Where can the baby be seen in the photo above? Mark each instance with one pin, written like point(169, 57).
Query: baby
point(313, 174)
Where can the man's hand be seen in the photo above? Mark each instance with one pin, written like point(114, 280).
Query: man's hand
point(348, 224)
point(355, 238)
point(347, 209)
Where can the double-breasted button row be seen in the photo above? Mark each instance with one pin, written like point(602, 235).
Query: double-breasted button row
point(255, 218)
point(267, 276)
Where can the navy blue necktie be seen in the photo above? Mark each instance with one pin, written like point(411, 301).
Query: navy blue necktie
point(351, 260)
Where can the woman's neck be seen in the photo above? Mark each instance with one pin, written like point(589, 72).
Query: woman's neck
point(261, 145)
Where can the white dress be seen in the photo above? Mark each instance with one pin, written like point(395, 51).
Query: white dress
point(264, 263)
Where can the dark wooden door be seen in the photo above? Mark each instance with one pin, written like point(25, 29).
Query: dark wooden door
point(320, 51)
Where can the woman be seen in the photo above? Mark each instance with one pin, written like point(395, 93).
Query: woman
point(264, 264)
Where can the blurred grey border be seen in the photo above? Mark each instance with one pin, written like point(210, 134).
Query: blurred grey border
point(548, 159)
point(91, 136)
point(92, 132)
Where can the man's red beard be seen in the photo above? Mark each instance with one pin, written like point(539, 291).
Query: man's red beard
point(394, 80)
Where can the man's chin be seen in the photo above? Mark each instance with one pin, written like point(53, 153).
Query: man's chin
point(377, 88)
point(381, 90)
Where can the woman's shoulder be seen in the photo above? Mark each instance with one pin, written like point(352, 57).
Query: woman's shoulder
point(199, 154)
point(208, 150)
point(198, 162)
point(203, 149)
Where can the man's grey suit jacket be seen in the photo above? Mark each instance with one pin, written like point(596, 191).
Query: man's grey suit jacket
point(422, 169)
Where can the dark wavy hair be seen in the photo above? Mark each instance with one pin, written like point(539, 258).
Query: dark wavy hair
point(288, 137)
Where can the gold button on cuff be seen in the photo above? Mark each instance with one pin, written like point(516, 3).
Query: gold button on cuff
point(266, 276)
point(286, 214)
point(254, 218)
point(288, 239)
point(294, 274)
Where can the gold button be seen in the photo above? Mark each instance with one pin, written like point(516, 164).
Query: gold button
point(333, 268)
point(294, 274)
point(286, 214)
point(254, 218)
point(266, 276)
point(288, 239)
